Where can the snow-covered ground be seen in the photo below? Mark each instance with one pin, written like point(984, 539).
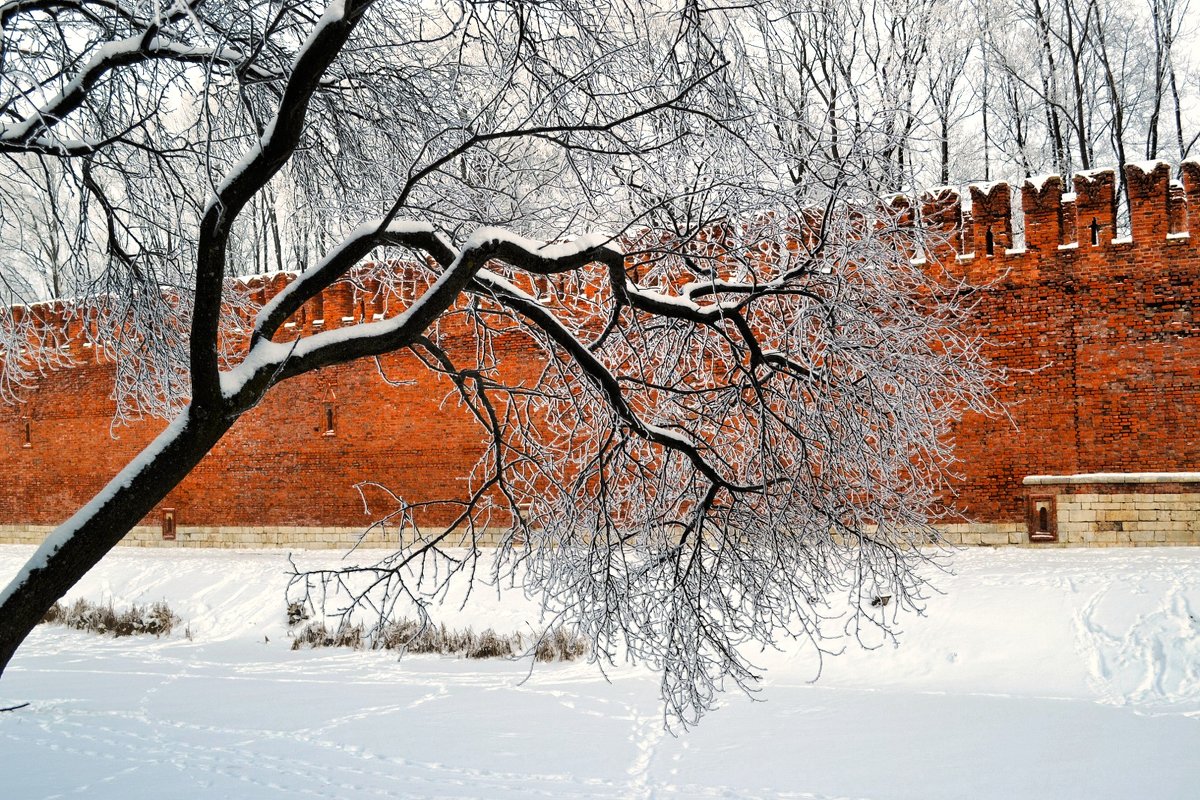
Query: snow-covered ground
point(1040, 674)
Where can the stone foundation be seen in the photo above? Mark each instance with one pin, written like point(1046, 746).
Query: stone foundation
point(1122, 509)
point(250, 538)
point(987, 534)
point(1133, 509)
point(1084, 520)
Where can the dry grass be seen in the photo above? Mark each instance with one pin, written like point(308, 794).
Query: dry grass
point(410, 636)
point(156, 619)
point(316, 635)
point(560, 645)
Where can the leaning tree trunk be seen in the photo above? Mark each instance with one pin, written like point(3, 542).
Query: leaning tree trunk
point(80, 542)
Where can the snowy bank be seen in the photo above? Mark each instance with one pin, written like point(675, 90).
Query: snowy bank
point(1063, 674)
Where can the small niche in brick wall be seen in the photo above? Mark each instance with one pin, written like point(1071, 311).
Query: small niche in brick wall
point(328, 419)
point(168, 524)
point(26, 432)
point(1042, 519)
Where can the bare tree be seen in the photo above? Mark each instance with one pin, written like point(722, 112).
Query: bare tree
point(1096, 89)
point(745, 405)
point(1112, 66)
point(34, 227)
point(950, 51)
point(1167, 20)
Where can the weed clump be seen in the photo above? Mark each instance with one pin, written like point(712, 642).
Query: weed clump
point(316, 635)
point(156, 619)
point(559, 644)
point(411, 636)
point(296, 613)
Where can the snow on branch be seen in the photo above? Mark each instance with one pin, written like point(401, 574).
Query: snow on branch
point(352, 249)
point(268, 362)
point(25, 134)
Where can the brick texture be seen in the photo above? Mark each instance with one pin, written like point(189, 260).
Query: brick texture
point(1101, 341)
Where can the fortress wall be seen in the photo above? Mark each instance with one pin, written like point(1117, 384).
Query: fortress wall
point(1100, 334)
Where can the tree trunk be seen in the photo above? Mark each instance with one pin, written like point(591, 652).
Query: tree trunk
point(1049, 91)
point(80, 542)
point(945, 143)
point(1118, 109)
point(1076, 50)
point(1183, 151)
point(987, 160)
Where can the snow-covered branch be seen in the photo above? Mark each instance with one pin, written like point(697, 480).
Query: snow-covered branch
point(418, 236)
point(32, 132)
point(256, 168)
point(268, 361)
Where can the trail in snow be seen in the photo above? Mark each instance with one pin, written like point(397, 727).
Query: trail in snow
point(1143, 642)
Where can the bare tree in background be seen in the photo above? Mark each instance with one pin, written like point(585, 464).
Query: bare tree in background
point(34, 227)
point(944, 70)
point(1103, 83)
point(1168, 19)
point(743, 418)
point(904, 82)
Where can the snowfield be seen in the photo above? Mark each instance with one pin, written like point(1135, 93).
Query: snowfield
point(1039, 674)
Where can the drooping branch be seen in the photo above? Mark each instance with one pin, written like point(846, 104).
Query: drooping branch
point(507, 294)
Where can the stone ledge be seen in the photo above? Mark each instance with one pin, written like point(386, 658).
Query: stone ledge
point(1112, 477)
point(1121, 526)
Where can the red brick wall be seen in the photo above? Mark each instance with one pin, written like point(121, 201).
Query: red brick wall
point(275, 467)
point(1102, 341)
point(1107, 335)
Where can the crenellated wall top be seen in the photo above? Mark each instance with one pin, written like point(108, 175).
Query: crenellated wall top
point(1063, 229)
point(1065, 233)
